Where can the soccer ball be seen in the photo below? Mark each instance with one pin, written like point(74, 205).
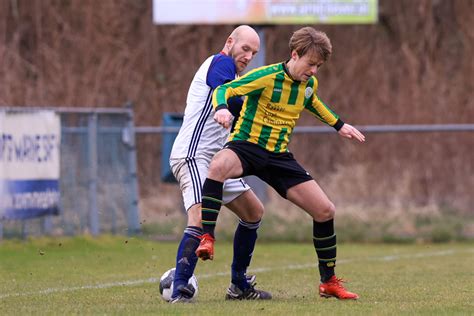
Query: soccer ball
point(166, 285)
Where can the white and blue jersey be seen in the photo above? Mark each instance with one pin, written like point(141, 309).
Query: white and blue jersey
point(200, 137)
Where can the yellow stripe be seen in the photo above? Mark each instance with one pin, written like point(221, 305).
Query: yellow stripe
point(327, 260)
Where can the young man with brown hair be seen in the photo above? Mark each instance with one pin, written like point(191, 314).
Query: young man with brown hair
point(275, 97)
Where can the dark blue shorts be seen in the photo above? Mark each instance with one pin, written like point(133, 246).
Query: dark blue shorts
point(280, 170)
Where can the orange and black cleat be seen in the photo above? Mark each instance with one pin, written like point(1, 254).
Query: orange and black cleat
point(205, 250)
point(334, 288)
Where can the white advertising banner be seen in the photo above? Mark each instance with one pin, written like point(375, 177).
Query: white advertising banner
point(29, 164)
point(265, 11)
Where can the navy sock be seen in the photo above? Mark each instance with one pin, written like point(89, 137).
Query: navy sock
point(324, 241)
point(186, 258)
point(211, 204)
point(244, 243)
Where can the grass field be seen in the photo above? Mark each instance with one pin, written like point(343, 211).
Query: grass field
point(119, 275)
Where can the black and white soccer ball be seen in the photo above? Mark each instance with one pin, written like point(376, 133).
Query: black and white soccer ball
point(166, 285)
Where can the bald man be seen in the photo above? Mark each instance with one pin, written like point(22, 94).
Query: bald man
point(199, 138)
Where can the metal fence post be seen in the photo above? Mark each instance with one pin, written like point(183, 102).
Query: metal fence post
point(47, 224)
point(24, 229)
point(92, 162)
point(128, 138)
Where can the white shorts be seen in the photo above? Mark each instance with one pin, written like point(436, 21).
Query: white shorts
point(191, 174)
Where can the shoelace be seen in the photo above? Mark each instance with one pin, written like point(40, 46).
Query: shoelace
point(206, 238)
point(338, 282)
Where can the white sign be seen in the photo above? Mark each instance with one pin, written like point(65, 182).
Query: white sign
point(265, 11)
point(29, 164)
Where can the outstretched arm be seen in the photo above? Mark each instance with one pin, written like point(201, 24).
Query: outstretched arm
point(323, 113)
point(349, 131)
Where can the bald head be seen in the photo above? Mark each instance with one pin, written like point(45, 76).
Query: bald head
point(242, 45)
point(245, 32)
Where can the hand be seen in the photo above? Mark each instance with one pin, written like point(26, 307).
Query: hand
point(349, 131)
point(224, 118)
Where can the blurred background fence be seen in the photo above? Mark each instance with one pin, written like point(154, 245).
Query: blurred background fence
point(414, 66)
point(98, 184)
point(376, 200)
point(406, 183)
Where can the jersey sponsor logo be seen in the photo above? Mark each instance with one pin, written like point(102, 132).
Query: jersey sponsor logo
point(270, 116)
point(275, 107)
point(308, 92)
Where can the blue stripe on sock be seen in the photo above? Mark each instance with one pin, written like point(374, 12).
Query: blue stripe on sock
point(193, 231)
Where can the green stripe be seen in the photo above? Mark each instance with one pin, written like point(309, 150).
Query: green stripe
point(249, 115)
point(281, 138)
point(254, 75)
point(220, 95)
point(246, 79)
point(264, 135)
point(211, 199)
point(278, 87)
point(308, 105)
point(208, 222)
point(328, 108)
point(307, 101)
point(209, 210)
point(327, 260)
point(327, 248)
point(324, 238)
point(293, 92)
point(313, 110)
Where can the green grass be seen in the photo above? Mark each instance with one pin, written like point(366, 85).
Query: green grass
point(117, 275)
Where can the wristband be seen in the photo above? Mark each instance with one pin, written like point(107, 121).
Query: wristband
point(338, 125)
point(221, 106)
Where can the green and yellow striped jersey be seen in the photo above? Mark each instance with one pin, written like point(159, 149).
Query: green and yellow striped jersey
point(273, 105)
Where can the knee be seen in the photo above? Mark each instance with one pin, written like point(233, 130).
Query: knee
point(216, 171)
point(326, 213)
point(255, 215)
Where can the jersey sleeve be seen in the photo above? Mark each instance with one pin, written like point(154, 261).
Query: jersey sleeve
point(252, 82)
point(221, 70)
point(321, 111)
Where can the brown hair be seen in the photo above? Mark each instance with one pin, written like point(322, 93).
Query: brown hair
point(308, 40)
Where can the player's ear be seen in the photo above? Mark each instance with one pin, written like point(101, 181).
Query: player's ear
point(230, 42)
point(294, 55)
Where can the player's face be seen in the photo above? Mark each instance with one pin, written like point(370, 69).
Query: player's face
point(243, 50)
point(306, 66)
